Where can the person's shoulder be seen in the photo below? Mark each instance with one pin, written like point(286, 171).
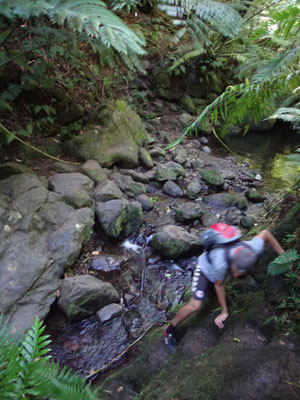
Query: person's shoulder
point(257, 243)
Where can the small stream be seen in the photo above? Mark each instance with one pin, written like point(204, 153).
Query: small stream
point(148, 285)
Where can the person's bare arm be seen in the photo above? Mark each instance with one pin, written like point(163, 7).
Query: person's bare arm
point(221, 295)
point(270, 239)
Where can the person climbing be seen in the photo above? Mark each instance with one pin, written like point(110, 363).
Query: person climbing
point(212, 267)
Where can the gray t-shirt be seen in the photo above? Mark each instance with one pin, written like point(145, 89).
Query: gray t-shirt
point(219, 268)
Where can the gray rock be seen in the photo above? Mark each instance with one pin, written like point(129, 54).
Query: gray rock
point(107, 263)
point(179, 154)
point(224, 200)
point(188, 212)
point(258, 177)
point(113, 134)
point(62, 167)
point(174, 242)
point(82, 295)
point(203, 140)
point(93, 170)
point(168, 171)
point(206, 149)
point(193, 190)
point(134, 218)
point(128, 185)
point(112, 216)
point(197, 164)
point(145, 201)
point(109, 312)
point(145, 158)
point(135, 175)
point(254, 196)
point(106, 191)
point(164, 136)
point(12, 168)
point(75, 188)
point(172, 189)
point(157, 152)
point(186, 119)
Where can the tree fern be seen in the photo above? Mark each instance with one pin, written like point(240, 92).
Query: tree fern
point(288, 114)
point(26, 372)
point(284, 262)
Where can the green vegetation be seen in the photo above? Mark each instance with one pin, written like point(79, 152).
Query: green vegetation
point(27, 372)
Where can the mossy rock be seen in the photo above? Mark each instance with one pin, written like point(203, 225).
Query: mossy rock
point(113, 135)
point(212, 177)
point(254, 196)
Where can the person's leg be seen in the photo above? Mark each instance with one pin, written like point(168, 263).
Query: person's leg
point(190, 308)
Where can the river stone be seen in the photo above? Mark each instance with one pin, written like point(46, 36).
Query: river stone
point(188, 212)
point(186, 119)
point(193, 190)
point(145, 201)
point(82, 295)
point(112, 216)
point(75, 188)
point(212, 177)
point(12, 168)
point(247, 222)
point(203, 140)
point(93, 170)
point(106, 191)
point(109, 312)
point(171, 189)
point(61, 167)
point(134, 217)
point(224, 200)
point(254, 196)
point(157, 152)
point(179, 155)
point(145, 158)
point(168, 171)
point(174, 242)
point(128, 185)
point(197, 164)
point(135, 175)
point(206, 149)
point(113, 134)
point(107, 263)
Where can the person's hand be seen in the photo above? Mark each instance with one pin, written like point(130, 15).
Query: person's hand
point(220, 319)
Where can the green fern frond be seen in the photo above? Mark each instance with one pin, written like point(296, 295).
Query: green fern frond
point(284, 262)
point(187, 57)
point(288, 114)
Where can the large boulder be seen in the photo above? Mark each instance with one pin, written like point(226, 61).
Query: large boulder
point(83, 295)
point(106, 191)
point(168, 171)
point(40, 235)
point(173, 242)
point(75, 188)
point(113, 135)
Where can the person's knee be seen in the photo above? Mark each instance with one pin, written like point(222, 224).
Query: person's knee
point(194, 305)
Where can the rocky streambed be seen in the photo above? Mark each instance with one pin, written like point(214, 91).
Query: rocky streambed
point(108, 247)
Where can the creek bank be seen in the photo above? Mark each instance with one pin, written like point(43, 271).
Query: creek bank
point(147, 285)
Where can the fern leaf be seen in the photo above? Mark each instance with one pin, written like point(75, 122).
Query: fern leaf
point(283, 262)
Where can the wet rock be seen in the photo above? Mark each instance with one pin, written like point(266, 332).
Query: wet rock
point(112, 216)
point(157, 152)
point(188, 212)
point(145, 201)
point(212, 177)
point(172, 189)
point(135, 175)
point(128, 185)
point(179, 155)
point(206, 149)
point(239, 189)
point(113, 134)
point(231, 217)
point(186, 119)
point(145, 158)
point(94, 171)
point(62, 167)
point(134, 217)
point(169, 171)
point(254, 196)
point(173, 242)
point(247, 222)
point(258, 177)
point(82, 295)
point(109, 312)
point(193, 190)
point(106, 191)
point(224, 200)
point(203, 140)
point(107, 263)
point(75, 187)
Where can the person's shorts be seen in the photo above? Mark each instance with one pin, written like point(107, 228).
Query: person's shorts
point(201, 285)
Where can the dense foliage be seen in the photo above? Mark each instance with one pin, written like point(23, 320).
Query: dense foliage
point(27, 372)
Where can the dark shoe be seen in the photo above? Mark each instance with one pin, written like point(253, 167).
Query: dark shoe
point(170, 343)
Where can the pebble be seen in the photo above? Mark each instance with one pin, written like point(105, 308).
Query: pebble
point(258, 177)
